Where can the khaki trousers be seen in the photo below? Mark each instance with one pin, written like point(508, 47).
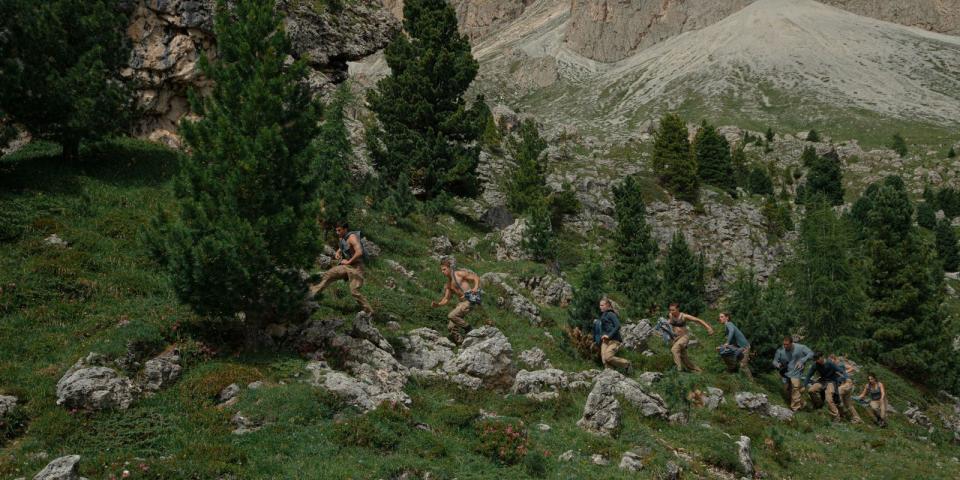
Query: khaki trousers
point(879, 409)
point(794, 391)
point(680, 357)
point(608, 354)
point(845, 392)
point(456, 324)
point(353, 275)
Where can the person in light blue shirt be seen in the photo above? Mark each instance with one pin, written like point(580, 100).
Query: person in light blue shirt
point(790, 360)
point(736, 347)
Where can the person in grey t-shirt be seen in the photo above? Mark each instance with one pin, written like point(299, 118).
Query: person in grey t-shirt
point(735, 347)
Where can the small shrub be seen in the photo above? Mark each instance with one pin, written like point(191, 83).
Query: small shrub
point(381, 429)
point(813, 136)
point(458, 415)
point(503, 441)
point(774, 442)
point(536, 464)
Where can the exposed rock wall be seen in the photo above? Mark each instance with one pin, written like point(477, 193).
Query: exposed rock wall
point(941, 16)
point(477, 17)
point(611, 30)
point(169, 36)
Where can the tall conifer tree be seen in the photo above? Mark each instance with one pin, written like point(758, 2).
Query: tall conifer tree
point(425, 128)
point(947, 246)
point(527, 186)
point(636, 258)
point(714, 164)
point(248, 191)
point(673, 162)
point(683, 276)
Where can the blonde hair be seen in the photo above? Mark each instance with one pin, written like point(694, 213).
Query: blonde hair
point(606, 299)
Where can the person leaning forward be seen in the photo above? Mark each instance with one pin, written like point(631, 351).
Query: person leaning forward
point(349, 268)
point(606, 334)
point(457, 326)
point(832, 378)
point(678, 320)
point(790, 360)
point(737, 342)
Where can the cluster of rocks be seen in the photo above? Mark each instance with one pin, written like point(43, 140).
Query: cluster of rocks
point(514, 300)
point(711, 399)
point(62, 468)
point(483, 360)
point(952, 421)
point(602, 413)
point(760, 404)
point(94, 383)
point(168, 38)
point(916, 416)
point(548, 290)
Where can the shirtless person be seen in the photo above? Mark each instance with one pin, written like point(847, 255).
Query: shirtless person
point(678, 320)
point(466, 298)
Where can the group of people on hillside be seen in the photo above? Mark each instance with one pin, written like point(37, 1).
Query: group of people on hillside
point(828, 379)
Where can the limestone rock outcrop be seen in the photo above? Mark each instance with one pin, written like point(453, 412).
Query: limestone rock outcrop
point(91, 385)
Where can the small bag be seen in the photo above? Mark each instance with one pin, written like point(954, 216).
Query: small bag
point(473, 298)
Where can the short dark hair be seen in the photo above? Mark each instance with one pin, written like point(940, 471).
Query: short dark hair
point(874, 375)
point(342, 224)
point(675, 304)
point(788, 338)
point(818, 355)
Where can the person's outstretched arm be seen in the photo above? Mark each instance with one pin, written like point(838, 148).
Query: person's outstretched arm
point(445, 299)
point(701, 322)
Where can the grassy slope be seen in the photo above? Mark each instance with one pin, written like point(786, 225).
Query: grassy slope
point(103, 292)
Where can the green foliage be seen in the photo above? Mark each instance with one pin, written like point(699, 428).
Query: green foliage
point(562, 203)
point(338, 196)
point(535, 464)
point(247, 194)
point(926, 216)
point(947, 246)
point(813, 136)
point(60, 71)
point(899, 145)
point(948, 200)
point(904, 280)
point(808, 157)
point(826, 280)
point(765, 315)
point(673, 163)
point(399, 202)
point(759, 182)
point(713, 160)
point(527, 185)
point(682, 274)
point(741, 170)
point(769, 134)
point(824, 179)
point(425, 128)
point(635, 270)
point(490, 135)
point(381, 429)
point(952, 153)
point(504, 441)
point(539, 239)
point(778, 217)
point(587, 293)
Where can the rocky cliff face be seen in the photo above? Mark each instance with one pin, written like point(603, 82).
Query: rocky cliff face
point(477, 17)
point(611, 30)
point(941, 16)
point(169, 36)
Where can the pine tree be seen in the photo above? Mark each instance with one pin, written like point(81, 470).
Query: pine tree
point(808, 157)
point(682, 274)
point(952, 153)
point(738, 158)
point(338, 196)
point(764, 315)
point(769, 135)
point(425, 128)
point(824, 179)
point(247, 192)
point(490, 135)
point(60, 63)
point(778, 218)
point(948, 199)
point(826, 278)
point(399, 202)
point(586, 297)
point(714, 164)
point(899, 145)
point(903, 277)
point(539, 240)
point(673, 162)
point(926, 216)
point(759, 182)
point(947, 246)
point(636, 258)
point(813, 136)
point(527, 185)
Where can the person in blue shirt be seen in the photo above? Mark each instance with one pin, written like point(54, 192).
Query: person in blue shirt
point(735, 347)
point(833, 379)
point(606, 334)
point(790, 360)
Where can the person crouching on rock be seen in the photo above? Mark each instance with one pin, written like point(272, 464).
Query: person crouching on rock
point(736, 349)
point(350, 268)
point(606, 334)
point(457, 326)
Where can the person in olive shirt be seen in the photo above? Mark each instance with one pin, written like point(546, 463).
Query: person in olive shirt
point(736, 340)
point(832, 379)
point(606, 334)
point(790, 360)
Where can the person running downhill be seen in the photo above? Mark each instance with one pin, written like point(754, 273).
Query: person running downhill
point(877, 397)
point(833, 379)
point(678, 320)
point(350, 266)
point(606, 334)
point(789, 360)
point(457, 326)
point(735, 347)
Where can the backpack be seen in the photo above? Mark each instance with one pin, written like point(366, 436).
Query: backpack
point(345, 246)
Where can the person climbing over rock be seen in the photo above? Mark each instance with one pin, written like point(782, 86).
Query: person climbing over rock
point(606, 334)
point(877, 398)
point(457, 326)
point(790, 360)
point(736, 348)
point(678, 320)
point(832, 380)
point(350, 258)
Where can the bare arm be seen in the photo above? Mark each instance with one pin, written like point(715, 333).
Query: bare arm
point(446, 297)
point(701, 322)
point(863, 394)
point(357, 250)
point(476, 282)
point(883, 394)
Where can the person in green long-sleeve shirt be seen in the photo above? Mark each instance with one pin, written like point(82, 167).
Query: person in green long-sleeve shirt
point(735, 347)
point(790, 360)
